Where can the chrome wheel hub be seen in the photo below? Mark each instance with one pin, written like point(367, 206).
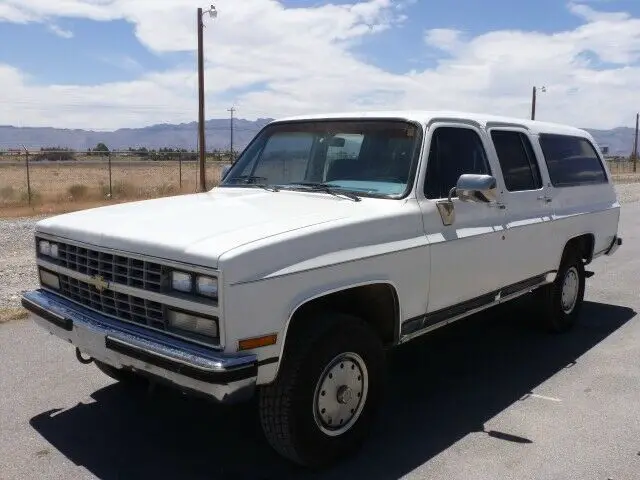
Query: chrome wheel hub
point(570, 288)
point(340, 394)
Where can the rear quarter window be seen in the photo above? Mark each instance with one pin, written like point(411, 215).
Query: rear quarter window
point(571, 161)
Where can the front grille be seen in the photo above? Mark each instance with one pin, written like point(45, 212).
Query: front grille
point(113, 268)
point(120, 305)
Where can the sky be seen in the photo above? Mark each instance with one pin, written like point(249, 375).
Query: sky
point(108, 64)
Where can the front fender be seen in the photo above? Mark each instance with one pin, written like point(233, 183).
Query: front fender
point(267, 306)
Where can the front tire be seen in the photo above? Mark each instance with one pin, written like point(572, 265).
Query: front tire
point(323, 402)
point(562, 300)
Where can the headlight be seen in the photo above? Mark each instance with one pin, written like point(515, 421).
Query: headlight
point(207, 286)
point(44, 247)
point(192, 323)
point(48, 249)
point(181, 282)
point(49, 279)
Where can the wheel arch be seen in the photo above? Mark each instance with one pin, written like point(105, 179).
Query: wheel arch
point(584, 243)
point(376, 302)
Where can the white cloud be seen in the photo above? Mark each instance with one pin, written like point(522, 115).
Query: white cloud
point(443, 38)
point(296, 60)
point(61, 32)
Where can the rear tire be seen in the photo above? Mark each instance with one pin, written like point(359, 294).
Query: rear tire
point(322, 404)
point(562, 300)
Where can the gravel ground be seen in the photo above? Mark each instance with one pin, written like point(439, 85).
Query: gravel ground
point(16, 264)
point(16, 240)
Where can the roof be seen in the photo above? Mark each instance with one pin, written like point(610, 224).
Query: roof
point(425, 117)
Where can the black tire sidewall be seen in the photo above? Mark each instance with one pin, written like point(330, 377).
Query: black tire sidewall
point(313, 445)
point(561, 321)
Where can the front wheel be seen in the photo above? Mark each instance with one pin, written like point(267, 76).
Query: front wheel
point(322, 404)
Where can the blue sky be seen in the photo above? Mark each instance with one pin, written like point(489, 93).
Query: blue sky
point(109, 51)
point(114, 47)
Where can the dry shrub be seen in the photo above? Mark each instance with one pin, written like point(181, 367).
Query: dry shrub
point(164, 190)
point(78, 191)
point(35, 196)
point(120, 190)
point(7, 193)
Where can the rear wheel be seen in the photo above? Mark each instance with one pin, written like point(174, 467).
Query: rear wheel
point(322, 405)
point(562, 300)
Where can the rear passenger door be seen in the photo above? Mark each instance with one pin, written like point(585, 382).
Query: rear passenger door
point(528, 250)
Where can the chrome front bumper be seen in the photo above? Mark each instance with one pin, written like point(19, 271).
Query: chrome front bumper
point(228, 378)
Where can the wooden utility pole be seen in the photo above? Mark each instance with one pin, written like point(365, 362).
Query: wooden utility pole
point(201, 141)
point(232, 111)
point(26, 153)
point(533, 104)
point(635, 146)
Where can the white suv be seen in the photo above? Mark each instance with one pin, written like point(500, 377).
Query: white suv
point(330, 240)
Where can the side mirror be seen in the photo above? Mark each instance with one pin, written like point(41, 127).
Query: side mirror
point(475, 188)
point(470, 188)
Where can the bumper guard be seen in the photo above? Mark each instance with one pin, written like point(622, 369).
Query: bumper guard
point(228, 378)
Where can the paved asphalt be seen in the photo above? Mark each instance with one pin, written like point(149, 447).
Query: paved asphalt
point(488, 398)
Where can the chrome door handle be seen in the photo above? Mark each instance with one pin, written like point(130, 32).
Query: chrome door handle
point(545, 198)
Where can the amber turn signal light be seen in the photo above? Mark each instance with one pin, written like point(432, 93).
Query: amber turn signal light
point(251, 343)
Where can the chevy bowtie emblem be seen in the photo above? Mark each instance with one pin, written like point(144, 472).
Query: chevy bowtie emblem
point(99, 283)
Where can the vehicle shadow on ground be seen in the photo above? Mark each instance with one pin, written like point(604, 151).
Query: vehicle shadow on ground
point(441, 388)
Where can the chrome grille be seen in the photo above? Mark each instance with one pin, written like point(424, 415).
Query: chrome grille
point(120, 305)
point(113, 268)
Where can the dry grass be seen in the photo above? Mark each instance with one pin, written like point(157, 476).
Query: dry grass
point(70, 186)
point(11, 314)
point(57, 188)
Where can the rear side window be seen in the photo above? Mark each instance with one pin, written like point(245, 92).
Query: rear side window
point(571, 161)
point(454, 151)
point(517, 160)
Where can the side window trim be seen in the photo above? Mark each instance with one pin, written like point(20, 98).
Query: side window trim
point(533, 162)
point(431, 130)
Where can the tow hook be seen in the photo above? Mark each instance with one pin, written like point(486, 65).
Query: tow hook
point(84, 361)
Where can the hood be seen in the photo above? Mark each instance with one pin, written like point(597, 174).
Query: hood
point(199, 228)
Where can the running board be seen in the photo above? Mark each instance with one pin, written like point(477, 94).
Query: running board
point(431, 321)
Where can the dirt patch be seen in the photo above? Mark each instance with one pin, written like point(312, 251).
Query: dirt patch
point(12, 314)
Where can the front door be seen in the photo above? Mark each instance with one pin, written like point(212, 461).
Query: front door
point(466, 267)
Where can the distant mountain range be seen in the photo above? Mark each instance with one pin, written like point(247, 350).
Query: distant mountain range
point(618, 141)
point(184, 135)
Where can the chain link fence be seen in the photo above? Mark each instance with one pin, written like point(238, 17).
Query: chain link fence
point(63, 176)
point(28, 178)
point(622, 166)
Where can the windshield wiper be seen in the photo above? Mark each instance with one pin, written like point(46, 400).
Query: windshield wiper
point(250, 180)
point(326, 188)
point(270, 188)
point(247, 179)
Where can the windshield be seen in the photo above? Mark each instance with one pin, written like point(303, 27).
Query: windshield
point(366, 157)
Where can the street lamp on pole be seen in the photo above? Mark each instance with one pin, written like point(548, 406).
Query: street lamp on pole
point(534, 100)
point(213, 13)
